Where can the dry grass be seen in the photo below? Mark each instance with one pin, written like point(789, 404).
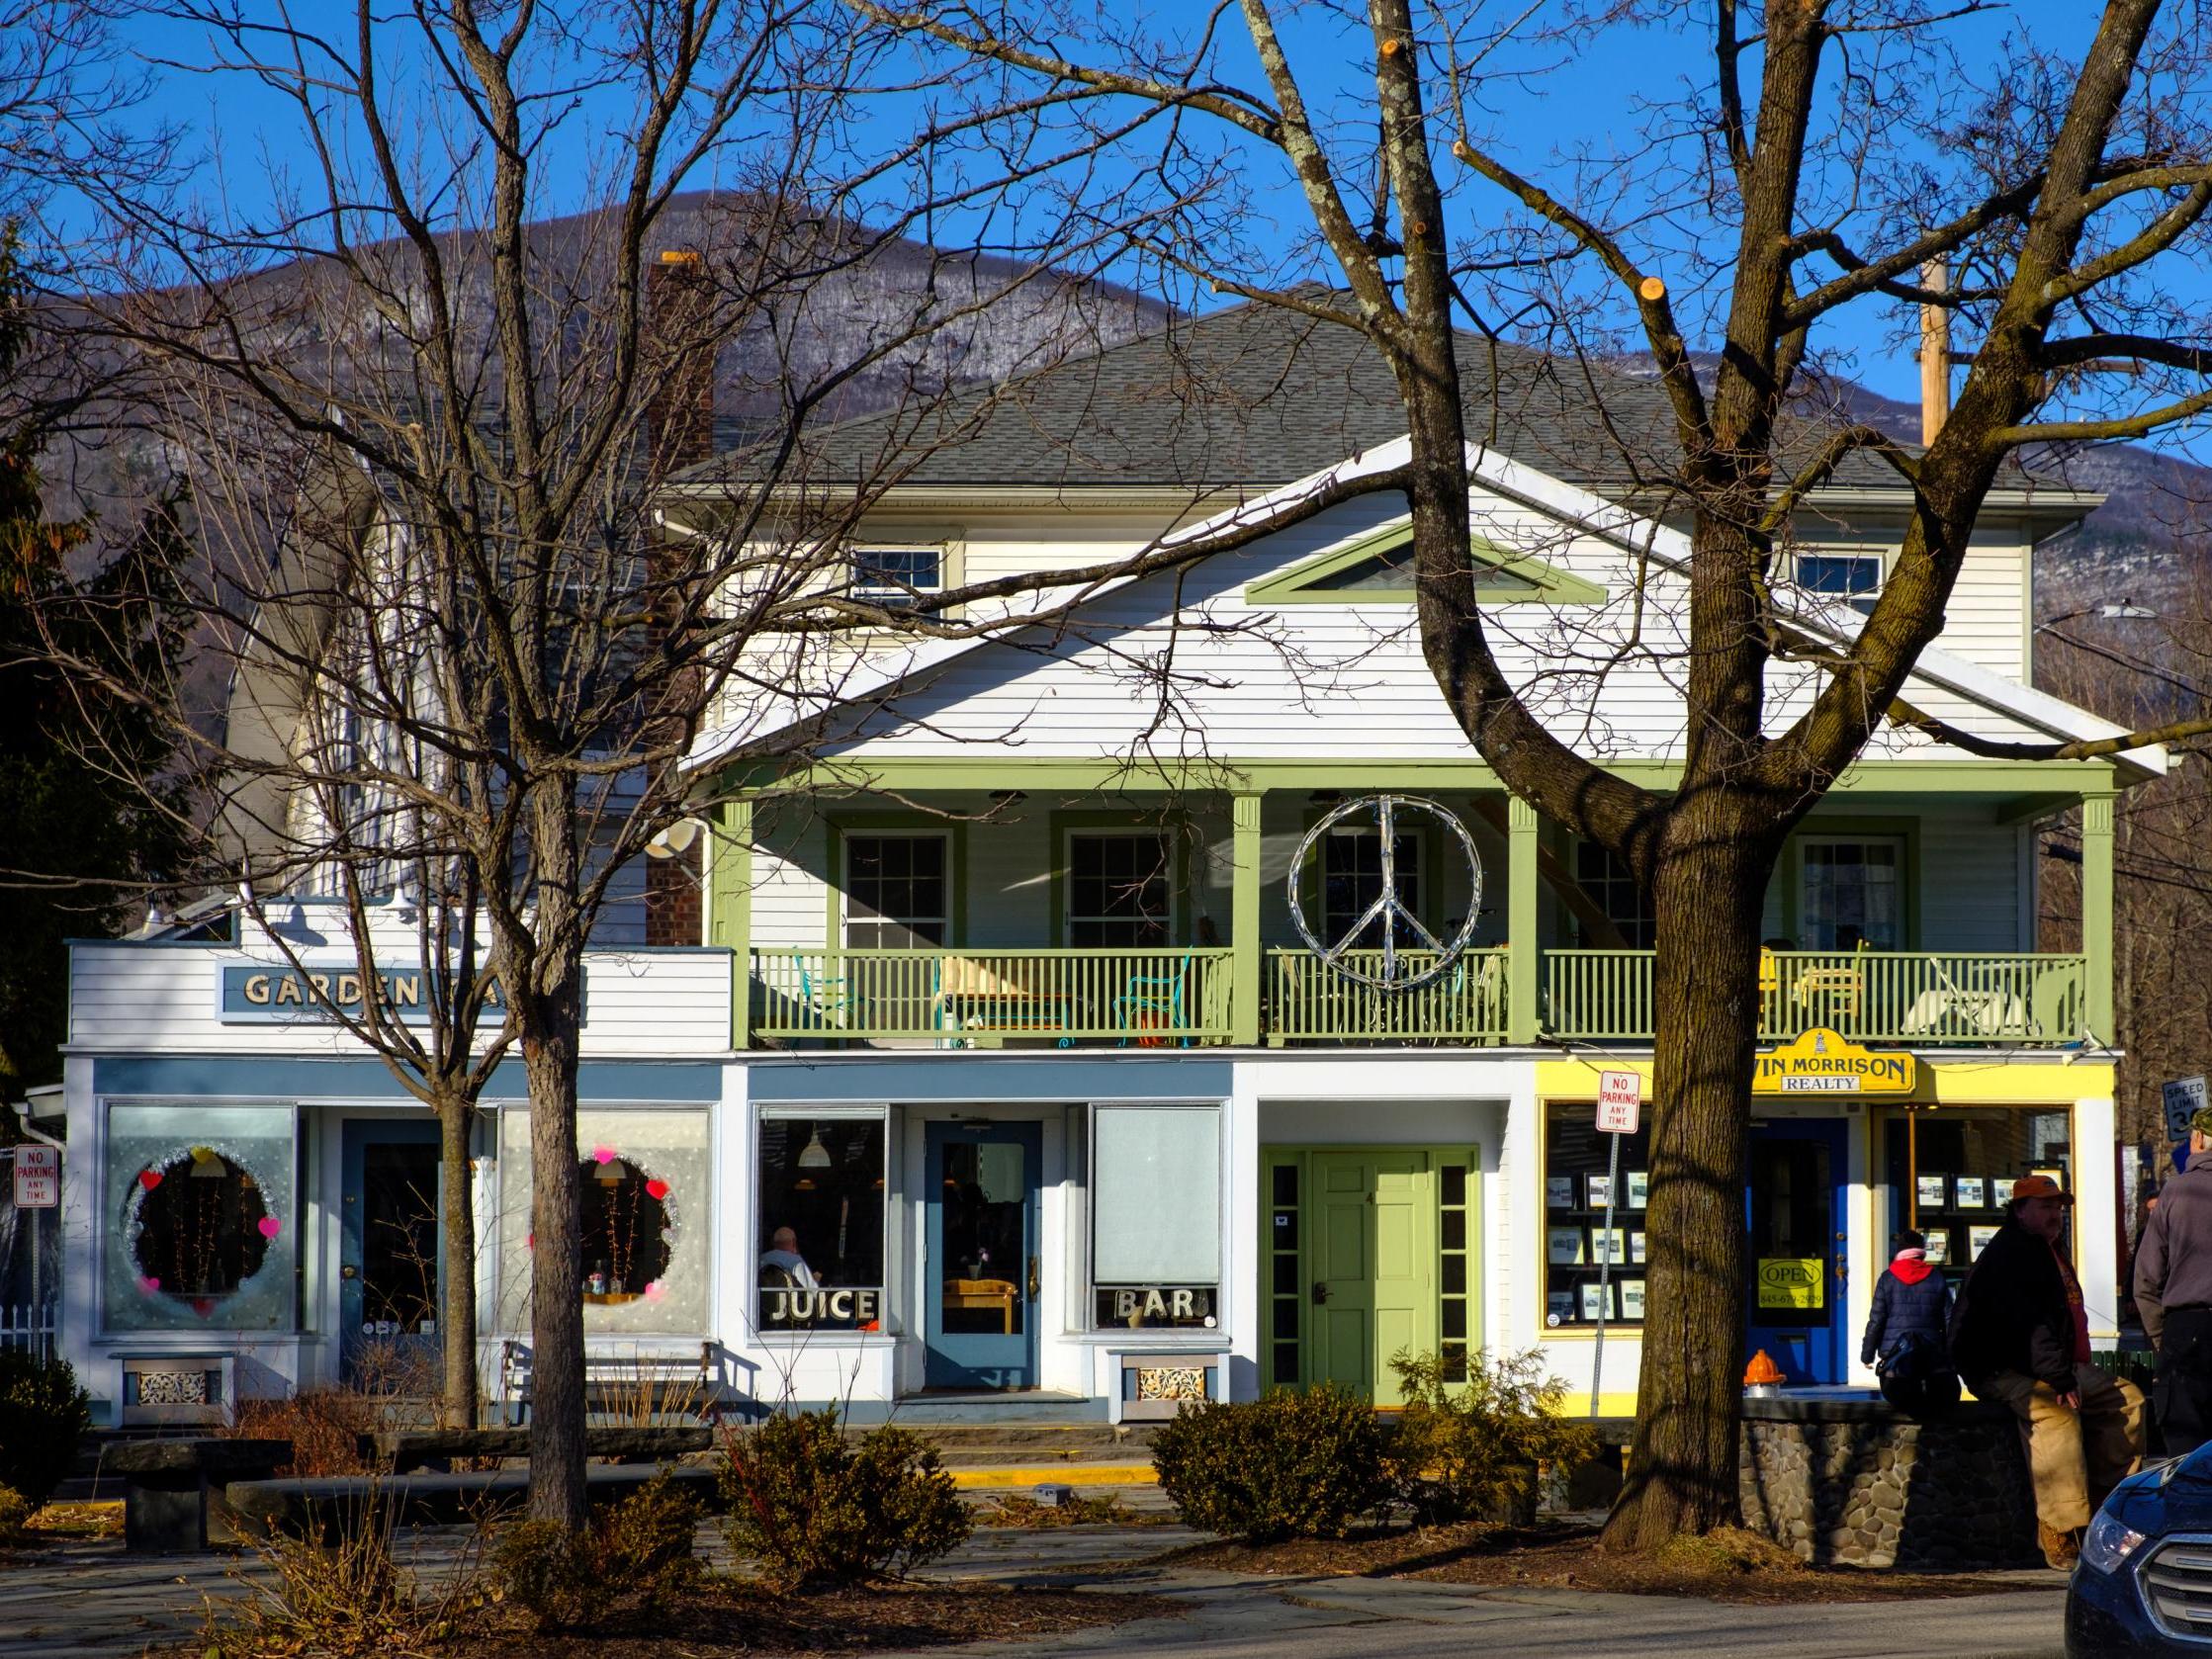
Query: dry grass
point(1015, 1509)
point(643, 1397)
point(394, 1386)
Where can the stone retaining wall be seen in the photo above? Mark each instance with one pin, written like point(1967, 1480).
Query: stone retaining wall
point(1854, 1482)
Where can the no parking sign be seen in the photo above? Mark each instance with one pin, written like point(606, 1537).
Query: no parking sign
point(37, 1177)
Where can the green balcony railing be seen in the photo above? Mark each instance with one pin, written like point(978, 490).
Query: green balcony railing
point(962, 999)
point(1309, 1003)
point(1937, 999)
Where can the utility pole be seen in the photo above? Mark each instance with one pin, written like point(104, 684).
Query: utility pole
point(1935, 353)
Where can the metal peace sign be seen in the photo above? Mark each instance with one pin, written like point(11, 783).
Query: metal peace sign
point(1399, 972)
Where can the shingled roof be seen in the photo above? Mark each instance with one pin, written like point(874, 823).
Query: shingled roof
point(1258, 395)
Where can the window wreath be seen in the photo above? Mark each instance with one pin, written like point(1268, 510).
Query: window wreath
point(629, 1229)
point(199, 1228)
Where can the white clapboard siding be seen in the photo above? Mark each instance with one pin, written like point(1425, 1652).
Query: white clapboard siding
point(140, 997)
point(1329, 681)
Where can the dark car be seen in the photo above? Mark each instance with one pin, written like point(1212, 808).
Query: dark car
point(2144, 1584)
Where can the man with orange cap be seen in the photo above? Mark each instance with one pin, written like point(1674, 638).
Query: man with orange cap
point(2020, 1334)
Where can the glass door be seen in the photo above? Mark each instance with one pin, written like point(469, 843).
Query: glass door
point(1798, 1253)
point(387, 1251)
point(983, 1255)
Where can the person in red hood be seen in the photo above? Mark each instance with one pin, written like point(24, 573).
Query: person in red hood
point(1911, 1299)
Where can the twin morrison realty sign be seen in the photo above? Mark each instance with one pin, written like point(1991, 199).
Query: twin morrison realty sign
point(1819, 1062)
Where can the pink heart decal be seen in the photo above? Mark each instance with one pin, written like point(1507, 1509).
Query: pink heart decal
point(149, 1284)
point(655, 1291)
point(657, 1188)
point(269, 1225)
point(529, 1241)
point(150, 1178)
point(604, 1154)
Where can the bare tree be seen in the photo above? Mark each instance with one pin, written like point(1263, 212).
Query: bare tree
point(1809, 173)
point(426, 427)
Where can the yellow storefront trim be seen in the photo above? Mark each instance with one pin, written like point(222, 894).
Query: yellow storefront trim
point(1943, 1083)
point(1057, 1474)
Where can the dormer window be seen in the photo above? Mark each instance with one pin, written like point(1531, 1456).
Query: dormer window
point(896, 575)
point(1846, 575)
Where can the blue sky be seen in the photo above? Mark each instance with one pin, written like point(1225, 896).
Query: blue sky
point(242, 136)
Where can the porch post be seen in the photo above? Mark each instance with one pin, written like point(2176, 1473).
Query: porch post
point(1519, 921)
point(1244, 920)
point(2096, 915)
point(729, 898)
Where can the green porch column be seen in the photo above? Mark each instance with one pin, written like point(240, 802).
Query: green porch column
point(1244, 922)
point(1519, 921)
point(2096, 913)
point(729, 908)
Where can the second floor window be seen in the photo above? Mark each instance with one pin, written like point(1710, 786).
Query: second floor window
point(1351, 880)
point(896, 890)
point(1118, 889)
point(1612, 885)
point(896, 575)
point(1846, 575)
point(1853, 895)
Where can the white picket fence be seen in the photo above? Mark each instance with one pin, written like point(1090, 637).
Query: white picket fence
point(30, 1326)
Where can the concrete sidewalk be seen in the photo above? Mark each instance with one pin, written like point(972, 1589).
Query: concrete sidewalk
point(90, 1601)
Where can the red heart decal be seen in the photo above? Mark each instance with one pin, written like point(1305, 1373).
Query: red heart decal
point(204, 1306)
point(657, 1188)
point(269, 1225)
point(529, 1241)
point(150, 1178)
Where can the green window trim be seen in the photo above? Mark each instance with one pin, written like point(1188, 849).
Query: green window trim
point(1301, 584)
point(1176, 828)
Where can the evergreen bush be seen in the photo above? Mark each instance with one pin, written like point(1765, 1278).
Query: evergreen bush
point(1305, 1464)
point(1475, 1453)
point(43, 1414)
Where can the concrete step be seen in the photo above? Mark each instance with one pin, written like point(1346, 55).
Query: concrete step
point(992, 1457)
point(948, 1437)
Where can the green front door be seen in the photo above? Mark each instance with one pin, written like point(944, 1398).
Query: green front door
point(1371, 1257)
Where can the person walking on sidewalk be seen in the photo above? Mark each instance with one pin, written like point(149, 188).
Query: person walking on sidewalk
point(2021, 1335)
point(2173, 1296)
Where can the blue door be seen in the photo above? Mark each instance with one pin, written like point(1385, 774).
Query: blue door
point(388, 1247)
point(1794, 1206)
point(981, 1196)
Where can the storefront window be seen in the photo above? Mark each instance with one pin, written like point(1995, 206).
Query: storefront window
point(1951, 1171)
point(1156, 1217)
point(201, 1208)
point(643, 1242)
point(1575, 1239)
point(821, 1223)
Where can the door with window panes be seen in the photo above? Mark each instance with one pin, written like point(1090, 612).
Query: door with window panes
point(1852, 893)
point(1351, 880)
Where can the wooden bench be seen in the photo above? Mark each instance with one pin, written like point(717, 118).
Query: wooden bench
point(168, 1485)
point(332, 1507)
point(402, 1452)
point(605, 1373)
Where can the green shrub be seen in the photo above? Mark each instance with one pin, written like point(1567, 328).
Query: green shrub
point(816, 1508)
point(1293, 1465)
point(1474, 1455)
point(639, 1547)
point(42, 1416)
point(15, 1511)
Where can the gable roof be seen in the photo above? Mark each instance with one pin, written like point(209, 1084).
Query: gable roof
point(867, 686)
point(1258, 395)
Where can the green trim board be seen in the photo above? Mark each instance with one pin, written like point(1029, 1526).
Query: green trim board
point(1509, 577)
point(852, 779)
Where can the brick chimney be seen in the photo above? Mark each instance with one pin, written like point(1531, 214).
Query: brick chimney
point(679, 359)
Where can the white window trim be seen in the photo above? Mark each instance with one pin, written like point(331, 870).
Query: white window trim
point(846, 918)
point(1086, 1324)
point(1173, 921)
point(1877, 556)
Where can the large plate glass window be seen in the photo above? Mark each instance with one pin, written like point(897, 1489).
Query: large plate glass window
point(1576, 1238)
point(200, 1218)
point(1118, 889)
point(643, 1183)
point(819, 1221)
point(1951, 1172)
point(1352, 880)
point(1156, 1217)
point(1853, 892)
point(897, 890)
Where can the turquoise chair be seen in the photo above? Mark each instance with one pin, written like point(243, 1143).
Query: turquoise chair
point(1155, 1003)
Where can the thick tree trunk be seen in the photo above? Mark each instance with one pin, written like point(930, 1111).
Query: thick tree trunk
point(1709, 888)
point(557, 1403)
point(458, 1402)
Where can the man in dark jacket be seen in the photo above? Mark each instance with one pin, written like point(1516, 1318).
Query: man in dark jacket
point(2021, 1335)
point(1907, 1333)
point(2174, 1295)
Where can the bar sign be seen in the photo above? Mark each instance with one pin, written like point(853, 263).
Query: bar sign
point(37, 1177)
